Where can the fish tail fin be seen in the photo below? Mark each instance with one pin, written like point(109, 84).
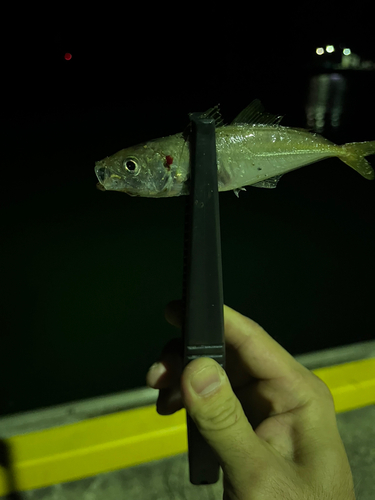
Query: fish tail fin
point(353, 154)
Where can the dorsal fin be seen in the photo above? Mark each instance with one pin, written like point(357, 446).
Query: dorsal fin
point(255, 113)
point(215, 114)
point(210, 113)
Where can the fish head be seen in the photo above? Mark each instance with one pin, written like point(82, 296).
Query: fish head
point(141, 170)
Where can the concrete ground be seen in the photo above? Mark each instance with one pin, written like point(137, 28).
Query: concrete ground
point(168, 478)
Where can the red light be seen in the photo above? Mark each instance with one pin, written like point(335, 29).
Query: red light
point(67, 56)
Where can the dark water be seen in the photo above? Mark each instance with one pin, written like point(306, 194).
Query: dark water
point(86, 274)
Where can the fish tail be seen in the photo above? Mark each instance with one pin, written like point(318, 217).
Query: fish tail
point(353, 154)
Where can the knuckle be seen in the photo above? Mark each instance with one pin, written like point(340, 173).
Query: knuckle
point(317, 390)
point(309, 387)
point(314, 383)
point(220, 414)
point(321, 387)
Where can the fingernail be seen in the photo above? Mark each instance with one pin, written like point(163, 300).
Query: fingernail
point(154, 373)
point(206, 380)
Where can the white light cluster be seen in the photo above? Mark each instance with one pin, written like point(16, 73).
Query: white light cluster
point(330, 48)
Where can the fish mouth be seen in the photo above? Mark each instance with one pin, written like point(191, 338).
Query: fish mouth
point(100, 186)
point(102, 173)
point(108, 181)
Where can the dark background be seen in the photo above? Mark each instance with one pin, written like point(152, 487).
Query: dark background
point(86, 274)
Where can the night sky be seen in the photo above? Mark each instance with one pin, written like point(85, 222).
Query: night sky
point(165, 58)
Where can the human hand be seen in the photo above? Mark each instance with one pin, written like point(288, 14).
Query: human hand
point(271, 421)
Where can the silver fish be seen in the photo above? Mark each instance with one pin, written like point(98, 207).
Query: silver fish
point(254, 150)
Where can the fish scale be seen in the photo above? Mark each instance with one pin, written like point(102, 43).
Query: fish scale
point(261, 152)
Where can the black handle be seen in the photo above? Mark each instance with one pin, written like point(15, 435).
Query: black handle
point(203, 325)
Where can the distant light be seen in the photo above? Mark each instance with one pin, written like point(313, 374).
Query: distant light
point(330, 49)
point(320, 51)
point(67, 56)
point(335, 77)
point(346, 52)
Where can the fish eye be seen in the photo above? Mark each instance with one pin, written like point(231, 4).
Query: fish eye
point(130, 164)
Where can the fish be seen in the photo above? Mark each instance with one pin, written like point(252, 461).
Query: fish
point(253, 150)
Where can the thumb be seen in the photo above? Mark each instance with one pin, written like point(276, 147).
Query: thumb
point(209, 399)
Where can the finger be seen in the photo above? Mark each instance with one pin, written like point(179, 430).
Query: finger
point(173, 346)
point(173, 313)
point(169, 400)
point(260, 355)
point(167, 371)
point(209, 399)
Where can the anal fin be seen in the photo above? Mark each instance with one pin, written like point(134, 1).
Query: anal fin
point(270, 183)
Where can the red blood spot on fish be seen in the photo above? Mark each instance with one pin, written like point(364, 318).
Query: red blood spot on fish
point(168, 162)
